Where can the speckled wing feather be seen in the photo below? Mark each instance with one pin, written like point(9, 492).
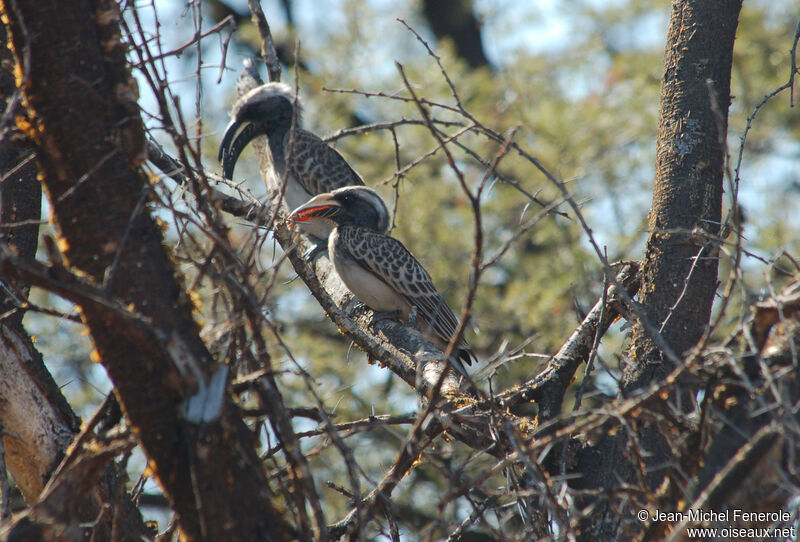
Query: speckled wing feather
point(390, 261)
point(317, 166)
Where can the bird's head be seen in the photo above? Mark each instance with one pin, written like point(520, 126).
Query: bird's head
point(265, 110)
point(350, 205)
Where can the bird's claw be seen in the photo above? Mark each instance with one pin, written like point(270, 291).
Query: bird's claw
point(353, 306)
point(377, 316)
point(310, 255)
point(412, 317)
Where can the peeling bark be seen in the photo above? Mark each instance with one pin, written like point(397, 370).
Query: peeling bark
point(37, 435)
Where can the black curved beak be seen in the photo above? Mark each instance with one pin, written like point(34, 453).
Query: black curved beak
point(237, 135)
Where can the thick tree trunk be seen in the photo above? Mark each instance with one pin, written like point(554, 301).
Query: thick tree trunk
point(679, 274)
point(82, 115)
point(32, 408)
point(38, 423)
point(680, 268)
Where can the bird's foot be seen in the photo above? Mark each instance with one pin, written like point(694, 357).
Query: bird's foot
point(412, 317)
point(319, 247)
point(377, 316)
point(353, 306)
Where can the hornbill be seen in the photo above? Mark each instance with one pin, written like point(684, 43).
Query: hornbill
point(304, 162)
point(378, 269)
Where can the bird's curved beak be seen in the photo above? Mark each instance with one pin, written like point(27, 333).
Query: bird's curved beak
point(321, 206)
point(237, 135)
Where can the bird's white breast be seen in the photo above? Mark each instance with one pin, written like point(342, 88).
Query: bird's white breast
point(366, 286)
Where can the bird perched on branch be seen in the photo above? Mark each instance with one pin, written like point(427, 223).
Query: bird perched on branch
point(304, 162)
point(378, 269)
